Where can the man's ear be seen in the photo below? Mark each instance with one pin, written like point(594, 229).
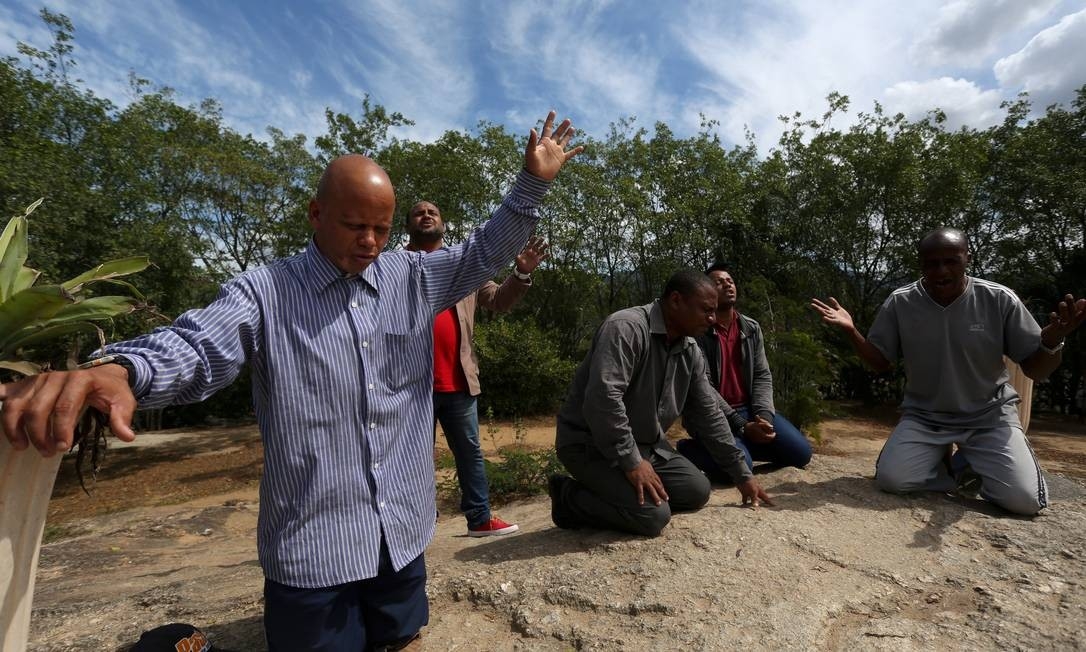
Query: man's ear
point(314, 213)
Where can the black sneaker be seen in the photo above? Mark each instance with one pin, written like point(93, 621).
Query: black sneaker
point(969, 482)
point(562, 516)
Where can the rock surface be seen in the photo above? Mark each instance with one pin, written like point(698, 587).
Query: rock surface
point(836, 565)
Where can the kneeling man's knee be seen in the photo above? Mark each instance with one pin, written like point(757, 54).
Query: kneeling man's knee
point(1021, 500)
point(894, 479)
point(651, 519)
point(693, 494)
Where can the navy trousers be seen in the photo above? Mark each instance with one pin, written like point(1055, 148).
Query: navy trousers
point(364, 615)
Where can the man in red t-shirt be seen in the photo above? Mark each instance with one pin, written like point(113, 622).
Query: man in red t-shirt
point(456, 368)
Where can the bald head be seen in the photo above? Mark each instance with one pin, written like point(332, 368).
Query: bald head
point(353, 173)
point(351, 215)
point(943, 238)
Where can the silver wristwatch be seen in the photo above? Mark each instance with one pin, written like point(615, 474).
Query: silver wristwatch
point(1054, 350)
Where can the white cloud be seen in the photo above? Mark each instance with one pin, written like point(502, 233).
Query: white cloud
point(967, 32)
point(448, 64)
point(566, 56)
point(22, 25)
point(1051, 66)
point(963, 102)
point(410, 57)
point(783, 57)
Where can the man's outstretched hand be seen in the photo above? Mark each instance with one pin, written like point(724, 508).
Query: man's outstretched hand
point(546, 152)
point(1068, 315)
point(833, 313)
point(753, 494)
point(43, 410)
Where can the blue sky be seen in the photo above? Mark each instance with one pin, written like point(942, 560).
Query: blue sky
point(448, 64)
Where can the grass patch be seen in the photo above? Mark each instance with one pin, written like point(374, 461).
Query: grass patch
point(520, 471)
point(54, 532)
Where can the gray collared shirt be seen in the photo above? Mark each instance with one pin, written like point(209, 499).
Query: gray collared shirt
point(633, 385)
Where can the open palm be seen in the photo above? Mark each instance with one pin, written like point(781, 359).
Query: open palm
point(833, 313)
point(546, 153)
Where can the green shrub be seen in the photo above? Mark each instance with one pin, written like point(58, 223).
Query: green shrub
point(800, 367)
point(521, 472)
point(520, 368)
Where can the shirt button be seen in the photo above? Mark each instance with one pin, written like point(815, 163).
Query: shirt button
point(365, 344)
point(371, 385)
point(381, 504)
point(376, 465)
point(354, 304)
point(373, 425)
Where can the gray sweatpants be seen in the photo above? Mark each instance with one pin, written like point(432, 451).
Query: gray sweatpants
point(912, 460)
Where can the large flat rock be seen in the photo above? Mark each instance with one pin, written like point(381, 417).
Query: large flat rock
point(835, 565)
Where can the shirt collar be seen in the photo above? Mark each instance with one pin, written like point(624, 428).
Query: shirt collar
point(656, 319)
point(321, 272)
point(736, 324)
point(658, 327)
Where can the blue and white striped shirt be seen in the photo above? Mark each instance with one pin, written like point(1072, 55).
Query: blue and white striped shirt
point(342, 373)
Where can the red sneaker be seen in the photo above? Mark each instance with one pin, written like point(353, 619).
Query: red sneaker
point(492, 528)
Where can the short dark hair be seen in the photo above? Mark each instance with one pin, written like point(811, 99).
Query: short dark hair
point(719, 266)
point(686, 282)
point(407, 215)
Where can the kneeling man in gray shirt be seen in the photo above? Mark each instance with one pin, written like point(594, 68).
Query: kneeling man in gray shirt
point(951, 332)
point(643, 372)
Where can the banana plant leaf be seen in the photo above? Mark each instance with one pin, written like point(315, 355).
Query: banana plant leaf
point(124, 284)
point(24, 279)
point(107, 270)
point(30, 305)
point(13, 251)
point(43, 333)
point(21, 366)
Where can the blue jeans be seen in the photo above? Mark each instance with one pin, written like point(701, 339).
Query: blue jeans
point(459, 418)
point(789, 448)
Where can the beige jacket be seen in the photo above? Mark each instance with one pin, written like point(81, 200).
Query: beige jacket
point(498, 298)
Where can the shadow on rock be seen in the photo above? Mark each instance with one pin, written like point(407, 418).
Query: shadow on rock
point(238, 636)
point(553, 542)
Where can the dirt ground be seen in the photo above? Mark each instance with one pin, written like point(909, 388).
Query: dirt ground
point(174, 466)
point(168, 534)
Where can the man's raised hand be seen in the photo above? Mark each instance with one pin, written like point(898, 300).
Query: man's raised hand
point(1068, 316)
point(833, 313)
point(546, 152)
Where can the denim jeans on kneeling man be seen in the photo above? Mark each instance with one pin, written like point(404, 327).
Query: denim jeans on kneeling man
point(789, 448)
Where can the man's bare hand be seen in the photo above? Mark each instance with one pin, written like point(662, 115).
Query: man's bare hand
point(833, 314)
point(1068, 315)
point(43, 410)
point(646, 481)
point(753, 494)
point(547, 153)
point(759, 431)
point(534, 252)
